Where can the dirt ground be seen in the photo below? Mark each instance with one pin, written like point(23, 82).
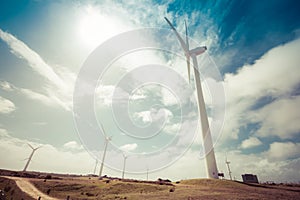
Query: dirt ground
point(27, 187)
point(80, 188)
point(84, 187)
point(10, 190)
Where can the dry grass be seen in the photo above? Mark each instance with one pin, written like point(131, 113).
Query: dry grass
point(225, 189)
point(83, 187)
point(80, 188)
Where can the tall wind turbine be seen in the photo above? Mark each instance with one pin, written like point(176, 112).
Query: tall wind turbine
point(211, 165)
point(107, 139)
point(124, 163)
point(30, 157)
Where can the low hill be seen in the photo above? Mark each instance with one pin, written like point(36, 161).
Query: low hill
point(89, 187)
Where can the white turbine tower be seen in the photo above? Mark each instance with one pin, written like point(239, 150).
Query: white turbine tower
point(107, 139)
point(211, 165)
point(30, 157)
point(124, 164)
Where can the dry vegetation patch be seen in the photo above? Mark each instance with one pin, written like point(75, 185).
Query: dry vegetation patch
point(95, 189)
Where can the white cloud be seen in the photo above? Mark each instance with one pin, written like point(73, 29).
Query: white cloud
point(94, 20)
point(47, 158)
point(145, 116)
point(104, 94)
point(6, 106)
point(251, 142)
point(5, 86)
point(21, 50)
point(3, 132)
point(137, 97)
point(129, 147)
point(57, 89)
point(154, 115)
point(280, 118)
point(283, 151)
point(73, 145)
point(189, 166)
point(172, 128)
point(169, 98)
point(263, 78)
point(49, 100)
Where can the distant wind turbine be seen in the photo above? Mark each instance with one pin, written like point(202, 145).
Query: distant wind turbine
point(124, 164)
point(147, 173)
point(95, 166)
point(211, 165)
point(30, 157)
point(228, 167)
point(107, 139)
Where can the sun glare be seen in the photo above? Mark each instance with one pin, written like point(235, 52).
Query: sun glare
point(95, 27)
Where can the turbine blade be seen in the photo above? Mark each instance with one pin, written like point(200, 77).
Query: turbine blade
point(188, 66)
point(30, 146)
point(183, 45)
point(102, 128)
point(186, 36)
point(38, 147)
point(187, 44)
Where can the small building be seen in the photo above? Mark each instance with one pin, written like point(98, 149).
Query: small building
point(249, 178)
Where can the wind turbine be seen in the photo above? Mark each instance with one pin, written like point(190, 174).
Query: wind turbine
point(229, 171)
point(30, 157)
point(124, 163)
point(147, 173)
point(95, 166)
point(211, 165)
point(107, 139)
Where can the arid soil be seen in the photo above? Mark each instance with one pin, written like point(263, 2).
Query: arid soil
point(27, 187)
point(85, 187)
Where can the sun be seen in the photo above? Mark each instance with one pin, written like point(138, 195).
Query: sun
point(95, 27)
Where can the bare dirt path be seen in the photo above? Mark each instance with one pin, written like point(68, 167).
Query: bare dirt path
point(28, 188)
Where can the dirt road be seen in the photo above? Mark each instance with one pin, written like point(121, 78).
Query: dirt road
point(28, 188)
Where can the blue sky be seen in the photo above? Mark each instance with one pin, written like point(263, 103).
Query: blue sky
point(253, 44)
